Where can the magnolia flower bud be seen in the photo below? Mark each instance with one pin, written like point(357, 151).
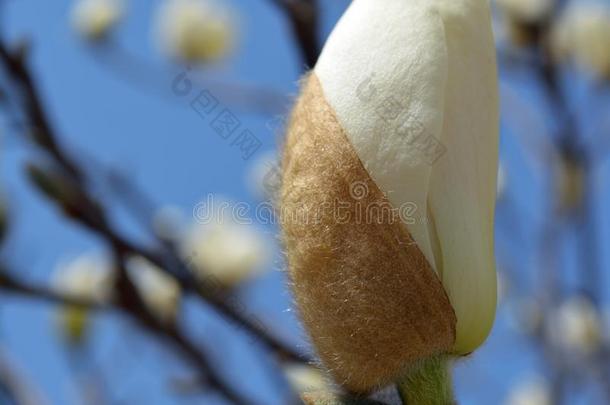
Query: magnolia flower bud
point(577, 326)
point(306, 378)
point(582, 34)
point(527, 11)
point(226, 252)
point(195, 30)
point(389, 186)
point(94, 19)
point(87, 277)
point(159, 291)
point(522, 20)
point(534, 391)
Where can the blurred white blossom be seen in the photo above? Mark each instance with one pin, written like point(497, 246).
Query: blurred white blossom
point(533, 391)
point(577, 326)
point(159, 291)
point(196, 30)
point(94, 19)
point(582, 34)
point(228, 251)
point(306, 378)
point(606, 325)
point(264, 176)
point(526, 11)
point(86, 277)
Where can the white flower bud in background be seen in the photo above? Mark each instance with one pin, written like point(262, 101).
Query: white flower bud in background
point(582, 34)
point(577, 326)
point(228, 252)
point(264, 177)
point(526, 11)
point(533, 391)
point(159, 291)
point(606, 325)
point(520, 19)
point(196, 30)
point(86, 277)
point(305, 378)
point(94, 19)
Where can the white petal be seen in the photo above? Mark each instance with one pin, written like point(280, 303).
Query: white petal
point(389, 51)
point(462, 190)
point(435, 59)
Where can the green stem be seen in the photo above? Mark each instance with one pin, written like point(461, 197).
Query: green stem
point(428, 384)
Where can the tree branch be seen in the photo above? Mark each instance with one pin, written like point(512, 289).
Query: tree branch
point(65, 185)
point(82, 207)
point(13, 385)
point(13, 286)
point(129, 303)
point(303, 16)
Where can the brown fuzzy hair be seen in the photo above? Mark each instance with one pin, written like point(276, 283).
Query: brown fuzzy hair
point(368, 297)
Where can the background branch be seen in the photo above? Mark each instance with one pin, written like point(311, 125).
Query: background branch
point(303, 16)
point(14, 387)
point(64, 183)
point(129, 303)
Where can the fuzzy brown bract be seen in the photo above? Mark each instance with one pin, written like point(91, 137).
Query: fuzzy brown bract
point(368, 298)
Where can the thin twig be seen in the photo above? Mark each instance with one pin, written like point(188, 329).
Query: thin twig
point(11, 285)
point(129, 302)
point(14, 384)
point(90, 213)
point(68, 189)
point(303, 16)
point(43, 132)
point(134, 70)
